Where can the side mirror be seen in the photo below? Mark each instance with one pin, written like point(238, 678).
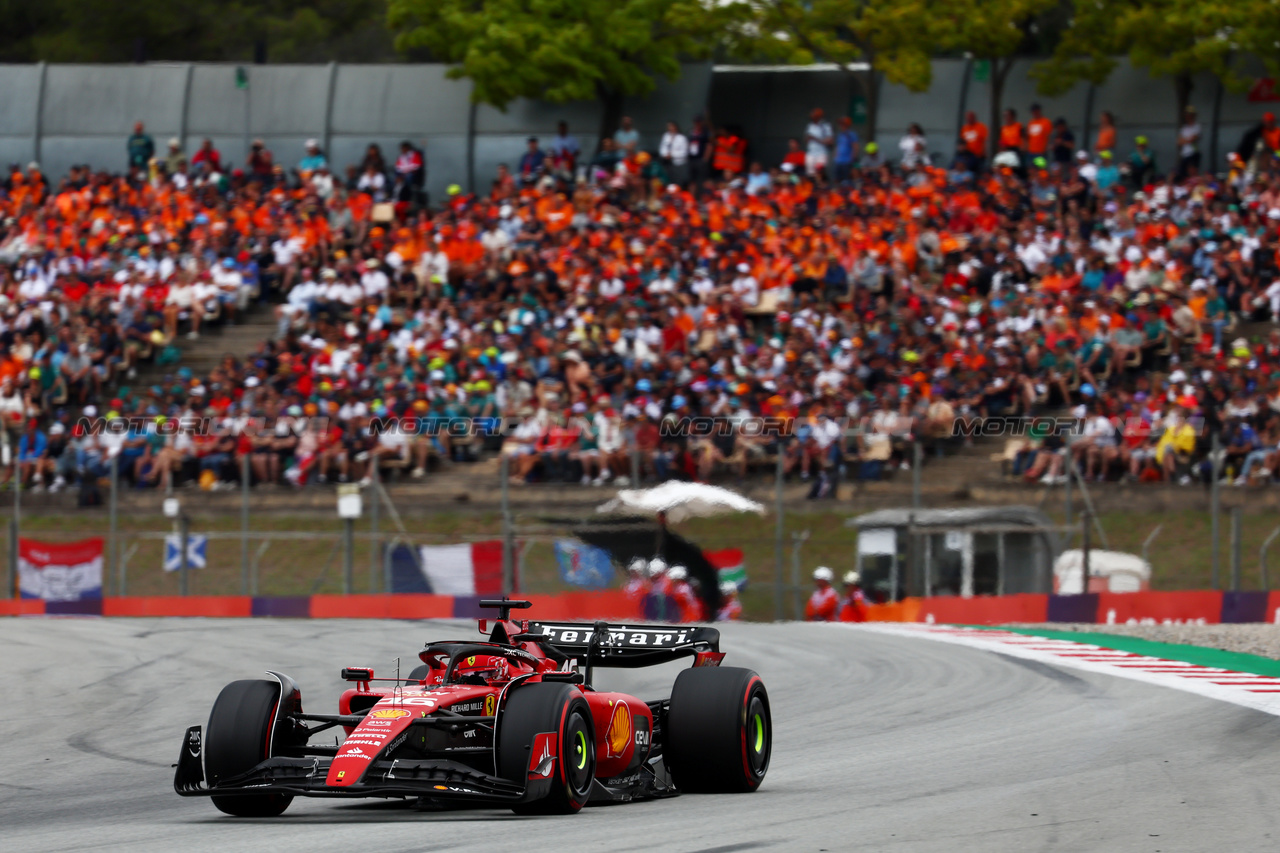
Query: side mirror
point(357, 673)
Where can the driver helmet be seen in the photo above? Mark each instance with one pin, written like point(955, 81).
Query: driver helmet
point(822, 573)
point(678, 573)
point(485, 667)
point(657, 566)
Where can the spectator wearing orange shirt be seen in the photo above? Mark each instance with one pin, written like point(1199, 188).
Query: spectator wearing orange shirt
point(974, 134)
point(1106, 139)
point(729, 153)
point(1011, 132)
point(1039, 132)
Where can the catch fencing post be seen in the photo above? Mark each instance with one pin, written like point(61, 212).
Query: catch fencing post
point(113, 529)
point(1215, 507)
point(184, 526)
point(917, 457)
point(350, 507)
point(798, 540)
point(1066, 487)
point(244, 524)
point(348, 554)
point(1084, 552)
point(1235, 548)
point(11, 570)
point(1146, 543)
point(1000, 569)
point(12, 591)
point(375, 492)
point(1262, 557)
point(1089, 507)
point(508, 564)
point(927, 569)
point(777, 537)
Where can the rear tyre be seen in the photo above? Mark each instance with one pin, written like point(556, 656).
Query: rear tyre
point(236, 739)
point(536, 709)
point(718, 733)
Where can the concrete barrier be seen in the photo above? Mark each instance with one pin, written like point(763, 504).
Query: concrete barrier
point(1202, 606)
point(568, 606)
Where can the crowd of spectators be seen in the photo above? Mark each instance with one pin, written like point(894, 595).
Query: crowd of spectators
point(864, 301)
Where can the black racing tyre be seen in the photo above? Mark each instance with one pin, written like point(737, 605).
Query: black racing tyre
point(418, 673)
point(236, 739)
point(718, 733)
point(533, 709)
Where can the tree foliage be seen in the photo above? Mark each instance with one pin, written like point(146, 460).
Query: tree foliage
point(1171, 38)
point(23, 20)
point(199, 30)
point(995, 29)
point(998, 32)
point(897, 37)
point(557, 50)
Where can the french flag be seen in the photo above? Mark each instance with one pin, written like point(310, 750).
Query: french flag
point(461, 570)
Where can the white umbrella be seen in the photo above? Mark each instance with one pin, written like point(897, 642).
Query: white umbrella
point(680, 501)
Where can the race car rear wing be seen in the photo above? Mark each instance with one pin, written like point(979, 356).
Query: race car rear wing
point(601, 644)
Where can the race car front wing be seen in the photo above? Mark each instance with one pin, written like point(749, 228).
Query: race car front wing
point(305, 776)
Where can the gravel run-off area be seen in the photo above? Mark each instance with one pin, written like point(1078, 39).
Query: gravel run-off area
point(1249, 638)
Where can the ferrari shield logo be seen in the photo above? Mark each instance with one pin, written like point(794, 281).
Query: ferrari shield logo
point(389, 714)
point(490, 704)
point(619, 733)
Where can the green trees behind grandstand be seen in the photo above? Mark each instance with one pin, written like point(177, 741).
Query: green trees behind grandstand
point(561, 50)
point(200, 30)
point(1171, 38)
point(896, 38)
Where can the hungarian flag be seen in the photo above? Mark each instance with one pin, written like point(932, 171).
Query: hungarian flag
point(730, 565)
point(474, 569)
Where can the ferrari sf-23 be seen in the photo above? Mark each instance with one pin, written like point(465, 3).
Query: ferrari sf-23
point(512, 722)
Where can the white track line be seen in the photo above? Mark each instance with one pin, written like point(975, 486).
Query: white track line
point(1250, 690)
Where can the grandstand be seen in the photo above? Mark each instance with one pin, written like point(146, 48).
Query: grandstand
point(594, 295)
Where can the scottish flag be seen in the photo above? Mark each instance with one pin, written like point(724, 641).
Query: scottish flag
point(197, 551)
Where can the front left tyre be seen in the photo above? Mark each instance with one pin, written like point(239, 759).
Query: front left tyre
point(236, 739)
point(540, 709)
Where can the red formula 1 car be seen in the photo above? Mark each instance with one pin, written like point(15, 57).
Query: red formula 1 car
point(513, 722)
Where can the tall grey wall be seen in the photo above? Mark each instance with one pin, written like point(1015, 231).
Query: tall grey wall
point(62, 115)
point(66, 114)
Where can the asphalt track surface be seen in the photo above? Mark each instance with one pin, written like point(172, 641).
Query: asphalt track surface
point(881, 743)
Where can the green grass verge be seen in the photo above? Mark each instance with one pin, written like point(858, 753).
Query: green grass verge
point(1199, 655)
point(1180, 555)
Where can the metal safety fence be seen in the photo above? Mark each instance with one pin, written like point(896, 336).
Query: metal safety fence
point(250, 545)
